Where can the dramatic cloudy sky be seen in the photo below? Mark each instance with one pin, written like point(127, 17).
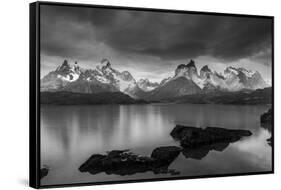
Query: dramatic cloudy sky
point(151, 45)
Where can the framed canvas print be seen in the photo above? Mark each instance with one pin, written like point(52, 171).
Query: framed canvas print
point(120, 94)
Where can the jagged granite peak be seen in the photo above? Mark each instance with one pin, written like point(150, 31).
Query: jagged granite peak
point(188, 69)
point(181, 66)
point(105, 62)
point(64, 66)
point(241, 78)
point(186, 80)
point(236, 71)
point(206, 69)
point(191, 64)
point(205, 72)
point(65, 63)
point(231, 70)
point(126, 75)
point(59, 78)
point(104, 78)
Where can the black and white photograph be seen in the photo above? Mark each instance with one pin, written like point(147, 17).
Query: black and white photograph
point(142, 94)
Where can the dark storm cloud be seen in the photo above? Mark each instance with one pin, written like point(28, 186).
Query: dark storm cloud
point(70, 31)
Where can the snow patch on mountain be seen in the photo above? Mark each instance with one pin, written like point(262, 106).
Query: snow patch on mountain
point(233, 79)
point(248, 73)
point(146, 85)
point(103, 78)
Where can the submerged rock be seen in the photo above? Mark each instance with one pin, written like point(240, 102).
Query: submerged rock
point(123, 162)
point(44, 171)
point(193, 137)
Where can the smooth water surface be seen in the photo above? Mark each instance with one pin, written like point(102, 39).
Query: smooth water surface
point(71, 134)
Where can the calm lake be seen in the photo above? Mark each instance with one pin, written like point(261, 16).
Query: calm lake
point(71, 134)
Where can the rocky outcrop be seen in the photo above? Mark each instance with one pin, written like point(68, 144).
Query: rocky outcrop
point(193, 137)
point(269, 141)
point(124, 162)
point(266, 123)
point(44, 171)
point(266, 118)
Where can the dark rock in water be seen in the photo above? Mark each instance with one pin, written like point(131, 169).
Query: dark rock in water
point(165, 155)
point(266, 123)
point(269, 141)
point(267, 117)
point(115, 153)
point(266, 120)
point(193, 137)
point(96, 161)
point(201, 152)
point(123, 162)
point(44, 171)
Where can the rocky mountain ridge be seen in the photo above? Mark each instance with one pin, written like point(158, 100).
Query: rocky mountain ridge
point(187, 80)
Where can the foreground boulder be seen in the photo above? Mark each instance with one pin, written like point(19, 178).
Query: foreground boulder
point(123, 162)
point(193, 137)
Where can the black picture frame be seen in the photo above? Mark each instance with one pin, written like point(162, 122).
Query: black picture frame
point(34, 98)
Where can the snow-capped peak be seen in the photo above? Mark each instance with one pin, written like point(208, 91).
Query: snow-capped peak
point(146, 85)
point(236, 71)
point(189, 71)
point(105, 62)
point(126, 75)
point(191, 64)
point(68, 72)
point(105, 77)
point(206, 69)
point(64, 66)
point(231, 70)
point(248, 73)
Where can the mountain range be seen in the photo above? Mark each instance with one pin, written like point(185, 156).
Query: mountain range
point(186, 81)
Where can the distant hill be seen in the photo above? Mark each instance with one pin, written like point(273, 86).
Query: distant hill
point(260, 96)
point(71, 98)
